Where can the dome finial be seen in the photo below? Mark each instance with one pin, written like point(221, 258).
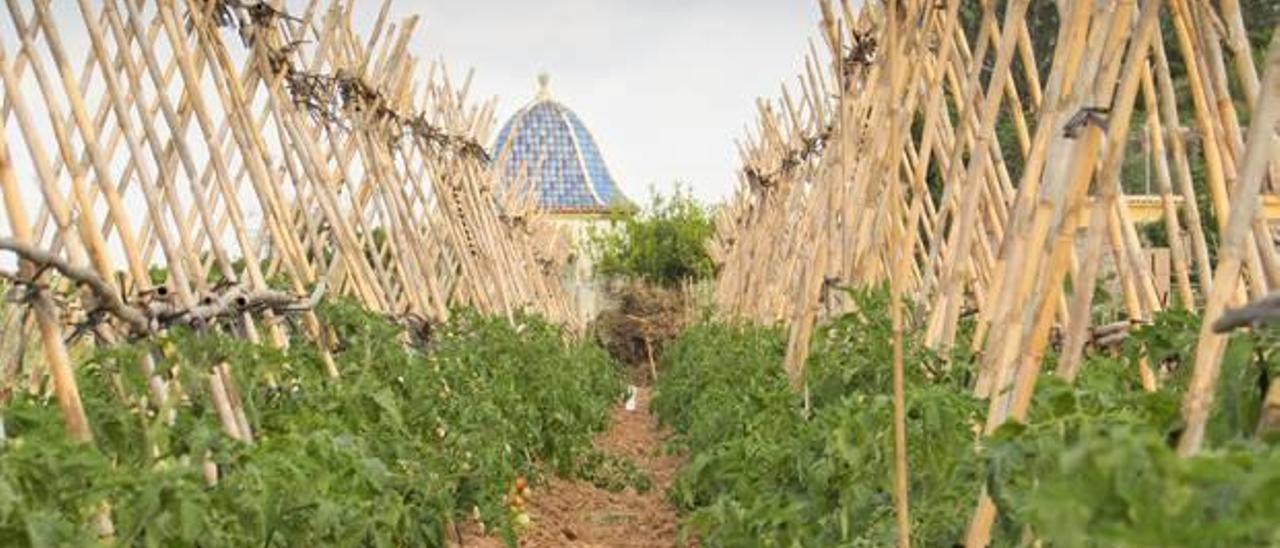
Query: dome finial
point(544, 87)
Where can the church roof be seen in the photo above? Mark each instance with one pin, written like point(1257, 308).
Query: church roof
point(549, 143)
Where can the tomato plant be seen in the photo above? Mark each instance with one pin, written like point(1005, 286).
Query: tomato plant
point(761, 473)
point(1096, 465)
point(1093, 466)
point(406, 443)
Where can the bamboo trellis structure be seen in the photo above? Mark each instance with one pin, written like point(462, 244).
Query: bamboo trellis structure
point(886, 163)
point(258, 159)
point(231, 140)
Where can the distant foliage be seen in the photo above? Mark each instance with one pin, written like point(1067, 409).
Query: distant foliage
point(664, 244)
point(1260, 20)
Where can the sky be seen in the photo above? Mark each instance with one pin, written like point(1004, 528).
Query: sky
point(665, 85)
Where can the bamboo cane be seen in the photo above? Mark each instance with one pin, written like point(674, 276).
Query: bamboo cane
point(1261, 146)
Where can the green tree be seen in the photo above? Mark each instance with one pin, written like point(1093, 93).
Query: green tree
point(664, 244)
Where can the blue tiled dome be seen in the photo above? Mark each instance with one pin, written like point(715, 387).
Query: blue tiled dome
point(561, 157)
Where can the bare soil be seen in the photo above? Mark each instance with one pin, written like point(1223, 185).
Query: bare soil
point(567, 513)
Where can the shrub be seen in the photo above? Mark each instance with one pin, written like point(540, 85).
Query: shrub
point(665, 244)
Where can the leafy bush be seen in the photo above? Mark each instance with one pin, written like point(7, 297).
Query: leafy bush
point(403, 445)
point(664, 244)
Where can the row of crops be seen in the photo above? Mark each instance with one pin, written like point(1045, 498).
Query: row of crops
point(969, 156)
point(1093, 466)
point(1050, 366)
point(219, 217)
point(413, 442)
point(418, 439)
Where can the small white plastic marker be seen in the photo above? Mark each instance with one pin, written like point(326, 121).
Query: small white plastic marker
point(630, 405)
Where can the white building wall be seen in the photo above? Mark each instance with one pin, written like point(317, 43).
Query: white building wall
point(588, 292)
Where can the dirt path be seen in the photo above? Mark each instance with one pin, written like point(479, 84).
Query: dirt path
point(577, 514)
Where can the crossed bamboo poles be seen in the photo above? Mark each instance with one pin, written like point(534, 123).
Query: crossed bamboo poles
point(884, 164)
point(262, 158)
